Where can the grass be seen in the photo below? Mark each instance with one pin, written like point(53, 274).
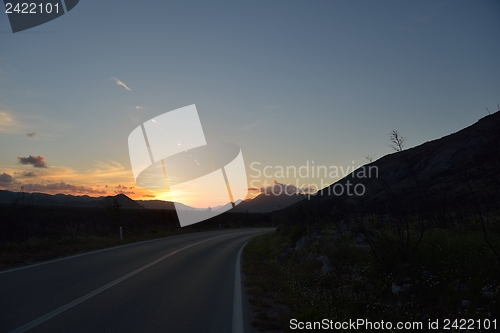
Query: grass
point(452, 274)
point(263, 285)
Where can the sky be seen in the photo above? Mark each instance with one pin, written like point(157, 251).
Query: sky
point(293, 83)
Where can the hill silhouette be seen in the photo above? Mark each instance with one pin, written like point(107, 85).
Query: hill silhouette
point(456, 168)
point(66, 200)
point(273, 198)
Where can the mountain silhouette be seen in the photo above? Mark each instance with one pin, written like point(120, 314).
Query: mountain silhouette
point(271, 199)
point(67, 200)
point(459, 167)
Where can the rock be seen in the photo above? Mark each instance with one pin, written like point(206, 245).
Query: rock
point(287, 253)
point(342, 226)
point(310, 256)
point(346, 269)
point(361, 239)
point(363, 247)
point(306, 240)
point(488, 294)
point(324, 260)
point(426, 274)
point(361, 242)
point(397, 289)
point(466, 303)
point(327, 265)
point(458, 286)
point(302, 243)
point(326, 269)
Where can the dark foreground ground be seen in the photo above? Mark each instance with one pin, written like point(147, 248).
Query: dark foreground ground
point(31, 234)
point(183, 283)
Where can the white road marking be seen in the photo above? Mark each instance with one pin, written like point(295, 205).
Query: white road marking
point(77, 301)
point(96, 251)
point(238, 326)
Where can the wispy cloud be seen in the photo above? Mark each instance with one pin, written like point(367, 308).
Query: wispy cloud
point(139, 107)
point(250, 126)
point(7, 122)
point(61, 187)
point(124, 192)
point(17, 123)
point(120, 83)
point(119, 186)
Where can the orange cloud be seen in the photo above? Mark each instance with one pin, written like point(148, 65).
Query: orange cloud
point(102, 179)
point(62, 187)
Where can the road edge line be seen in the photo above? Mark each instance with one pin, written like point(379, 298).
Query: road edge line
point(238, 322)
point(102, 250)
point(79, 300)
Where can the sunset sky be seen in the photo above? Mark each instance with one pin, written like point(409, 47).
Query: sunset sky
point(293, 83)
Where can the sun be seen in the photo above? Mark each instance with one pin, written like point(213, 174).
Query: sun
point(166, 196)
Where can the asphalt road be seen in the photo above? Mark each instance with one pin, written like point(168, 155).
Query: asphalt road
point(177, 284)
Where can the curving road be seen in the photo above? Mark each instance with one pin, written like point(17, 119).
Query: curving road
point(177, 284)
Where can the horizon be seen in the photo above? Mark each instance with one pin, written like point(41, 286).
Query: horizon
point(349, 170)
point(291, 83)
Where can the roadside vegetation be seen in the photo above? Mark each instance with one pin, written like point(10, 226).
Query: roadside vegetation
point(399, 254)
point(333, 271)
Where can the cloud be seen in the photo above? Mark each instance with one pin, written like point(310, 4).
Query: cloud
point(250, 126)
point(124, 192)
point(6, 179)
point(61, 187)
point(7, 122)
point(120, 83)
point(103, 178)
point(139, 107)
point(22, 123)
point(36, 161)
point(124, 187)
point(279, 188)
